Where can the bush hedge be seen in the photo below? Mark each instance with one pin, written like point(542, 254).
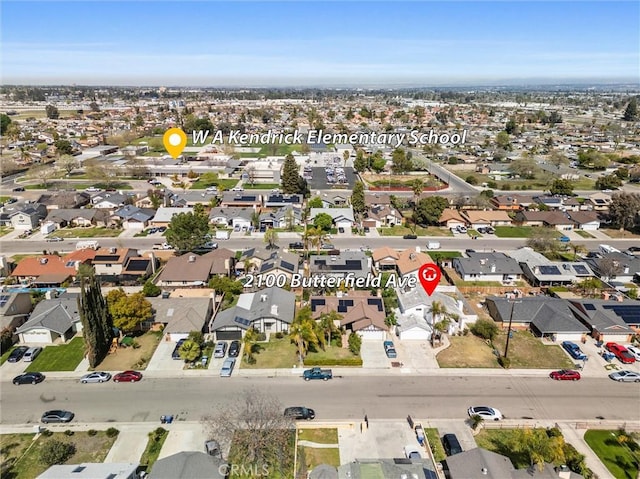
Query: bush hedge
point(334, 362)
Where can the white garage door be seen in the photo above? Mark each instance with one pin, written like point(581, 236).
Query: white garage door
point(415, 334)
point(573, 337)
point(175, 337)
point(36, 336)
point(372, 335)
point(589, 227)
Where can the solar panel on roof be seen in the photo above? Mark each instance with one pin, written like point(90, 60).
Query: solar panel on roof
point(4, 299)
point(288, 266)
point(628, 313)
point(580, 269)
point(106, 257)
point(375, 302)
point(549, 270)
point(342, 308)
point(243, 321)
point(589, 307)
point(317, 302)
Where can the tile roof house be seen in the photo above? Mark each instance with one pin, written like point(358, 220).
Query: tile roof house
point(269, 310)
point(361, 313)
point(410, 261)
point(488, 267)
point(342, 217)
point(111, 261)
point(45, 270)
point(64, 199)
point(180, 316)
point(599, 201)
point(164, 214)
point(557, 219)
point(234, 217)
point(192, 270)
point(384, 258)
point(133, 217)
point(451, 218)
point(340, 265)
point(78, 217)
point(110, 201)
point(52, 319)
point(377, 199)
point(510, 202)
point(241, 199)
point(547, 317)
point(484, 219)
point(378, 217)
point(282, 218)
point(585, 220)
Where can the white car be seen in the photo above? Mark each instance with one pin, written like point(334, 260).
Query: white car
point(412, 452)
point(92, 189)
point(485, 412)
point(96, 377)
point(635, 351)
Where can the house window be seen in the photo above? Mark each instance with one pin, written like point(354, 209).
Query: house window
point(108, 265)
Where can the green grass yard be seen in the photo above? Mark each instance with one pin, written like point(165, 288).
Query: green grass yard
point(420, 231)
point(154, 446)
point(202, 184)
point(615, 455)
point(86, 233)
point(64, 357)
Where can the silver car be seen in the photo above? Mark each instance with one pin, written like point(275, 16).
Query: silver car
point(625, 376)
point(96, 377)
point(227, 367)
point(220, 350)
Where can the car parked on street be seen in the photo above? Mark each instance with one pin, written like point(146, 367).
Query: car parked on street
point(565, 375)
point(28, 378)
point(57, 415)
point(127, 376)
point(620, 352)
point(220, 350)
point(574, 350)
point(227, 367)
point(410, 237)
point(625, 376)
point(55, 239)
point(17, 354)
point(300, 412)
point(96, 377)
point(564, 239)
point(485, 412)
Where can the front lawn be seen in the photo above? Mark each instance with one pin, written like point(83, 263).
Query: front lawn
point(436, 255)
point(261, 186)
point(311, 457)
point(154, 446)
point(615, 454)
point(4, 230)
point(319, 435)
point(13, 447)
point(584, 234)
point(279, 466)
point(64, 357)
point(88, 449)
point(514, 231)
point(202, 184)
point(420, 231)
point(467, 352)
point(527, 351)
point(86, 233)
point(435, 444)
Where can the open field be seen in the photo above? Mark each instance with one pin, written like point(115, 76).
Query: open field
point(467, 352)
point(527, 351)
point(86, 233)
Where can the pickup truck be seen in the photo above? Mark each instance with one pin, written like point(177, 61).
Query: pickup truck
point(317, 373)
point(161, 246)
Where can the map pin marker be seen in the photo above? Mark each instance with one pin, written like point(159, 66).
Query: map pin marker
point(429, 275)
point(174, 140)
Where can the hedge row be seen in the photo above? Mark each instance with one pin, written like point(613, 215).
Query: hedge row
point(334, 362)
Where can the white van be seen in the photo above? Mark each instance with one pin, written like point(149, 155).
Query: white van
point(433, 245)
point(606, 249)
point(31, 354)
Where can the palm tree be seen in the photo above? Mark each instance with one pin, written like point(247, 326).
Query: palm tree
point(250, 339)
point(327, 326)
point(271, 238)
point(303, 332)
point(437, 310)
point(417, 186)
point(577, 249)
point(476, 422)
point(189, 351)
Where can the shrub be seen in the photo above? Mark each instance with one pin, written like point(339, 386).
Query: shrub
point(151, 290)
point(6, 340)
point(92, 432)
point(47, 433)
point(261, 336)
point(112, 432)
point(504, 362)
point(69, 432)
point(485, 329)
point(279, 335)
point(57, 452)
point(355, 343)
point(472, 180)
point(333, 362)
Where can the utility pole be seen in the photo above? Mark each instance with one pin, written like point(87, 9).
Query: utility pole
point(506, 347)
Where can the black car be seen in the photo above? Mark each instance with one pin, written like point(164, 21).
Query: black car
point(28, 378)
point(451, 444)
point(176, 351)
point(19, 188)
point(234, 349)
point(300, 412)
point(410, 237)
point(17, 353)
point(57, 415)
point(296, 245)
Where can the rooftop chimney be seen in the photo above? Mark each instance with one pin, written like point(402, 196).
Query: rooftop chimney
point(192, 258)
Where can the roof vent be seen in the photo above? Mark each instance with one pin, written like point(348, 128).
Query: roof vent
point(44, 260)
point(263, 298)
point(484, 471)
point(113, 250)
point(493, 268)
point(274, 309)
point(192, 258)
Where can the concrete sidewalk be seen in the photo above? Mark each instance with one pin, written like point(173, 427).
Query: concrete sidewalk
point(575, 437)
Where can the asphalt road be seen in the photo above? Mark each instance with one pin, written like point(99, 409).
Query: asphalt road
point(345, 398)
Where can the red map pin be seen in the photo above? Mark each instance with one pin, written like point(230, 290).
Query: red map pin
point(429, 275)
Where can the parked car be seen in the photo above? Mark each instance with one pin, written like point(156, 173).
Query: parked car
point(634, 351)
point(18, 188)
point(565, 375)
point(564, 239)
point(176, 351)
point(54, 239)
point(481, 230)
point(296, 245)
point(96, 377)
point(57, 415)
point(491, 230)
point(412, 452)
point(574, 350)
point(31, 354)
point(300, 412)
point(93, 189)
point(451, 444)
point(390, 349)
point(328, 246)
point(234, 349)
point(127, 376)
point(17, 354)
point(227, 367)
point(621, 353)
point(220, 350)
point(212, 447)
point(461, 229)
point(410, 237)
point(317, 373)
point(485, 412)
point(340, 229)
point(625, 376)
point(28, 378)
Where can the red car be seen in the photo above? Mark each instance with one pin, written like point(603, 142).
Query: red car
point(565, 375)
point(621, 353)
point(127, 376)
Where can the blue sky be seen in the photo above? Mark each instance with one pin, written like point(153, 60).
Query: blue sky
point(200, 43)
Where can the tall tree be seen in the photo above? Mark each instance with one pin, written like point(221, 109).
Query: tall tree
point(429, 210)
point(303, 332)
point(360, 163)
point(189, 351)
point(631, 112)
point(5, 121)
point(187, 231)
point(292, 182)
point(97, 323)
point(52, 112)
point(624, 210)
point(561, 187)
point(128, 311)
point(271, 238)
point(357, 198)
point(400, 162)
point(249, 341)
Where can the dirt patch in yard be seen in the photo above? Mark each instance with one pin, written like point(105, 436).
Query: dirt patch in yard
point(132, 358)
point(467, 352)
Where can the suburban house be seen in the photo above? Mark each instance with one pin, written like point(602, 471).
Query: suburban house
point(24, 216)
point(241, 199)
point(14, 309)
point(510, 202)
point(78, 217)
point(385, 258)
point(485, 218)
point(165, 213)
point(382, 216)
point(137, 267)
point(278, 200)
point(342, 217)
point(599, 201)
point(376, 200)
point(45, 270)
point(340, 265)
point(410, 261)
point(180, 316)
point(618, 267)
point(335, 199)
point(540, 271)
point(92, 470)
point(285, 217)
point(556, 219)
point(585, 220)
point(222, 262)
point(234, 217)
point(269, 310)
point(488, 267)
point(609, 320)
point(546, 317)
point(111, 261)
point(388, 468)
point(188, 464)
point(64, 200)
point(451, 218)
point(52, 319)
point(110, 201)
point(253, 260)
point(191, 270)
point(133, 217)
point(360, 312)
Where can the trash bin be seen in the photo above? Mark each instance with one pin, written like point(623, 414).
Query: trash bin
point(169, 419)
point(204, 360)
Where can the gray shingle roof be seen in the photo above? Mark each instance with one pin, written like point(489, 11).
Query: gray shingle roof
point(188, 465)
point(259, 305)
point(482, 263)
point(57, 315)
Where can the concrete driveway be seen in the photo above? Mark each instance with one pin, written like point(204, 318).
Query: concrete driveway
point(161, 359)
point(10, 370)
point(416, 354)
point(183, 439)
point(373, 355)
point(382, 439)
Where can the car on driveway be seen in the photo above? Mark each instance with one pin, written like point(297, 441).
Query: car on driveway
point(17, 353)
point(31, 354)
point(221, 349)
point(127, 376)
point(574, 350)
point(625, 376)
point(95, 377)
point(565, 375)
point(227, 367)
point(621, 353)
point(451, 444)
point(57, 415)
point(485, 412)
point(234, 349)
point(176, 351)
point(300, 412)
point(28, 378)
point(634, 351)
point(412, 452)
point(390, 349)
